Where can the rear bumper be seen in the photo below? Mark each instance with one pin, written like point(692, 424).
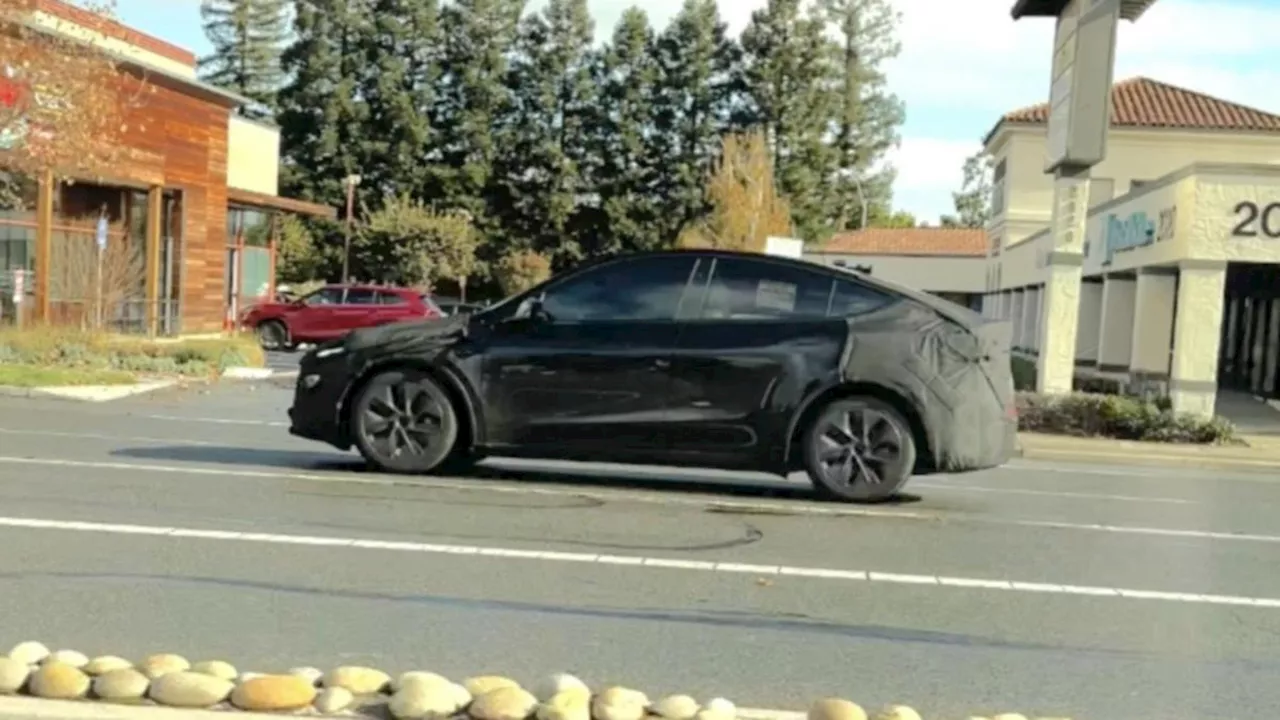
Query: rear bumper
point(975, 439)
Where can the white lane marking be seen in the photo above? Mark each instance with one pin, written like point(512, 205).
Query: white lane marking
point(713, 503)
point(642, 562)
point(958, 487)
point(216, 421)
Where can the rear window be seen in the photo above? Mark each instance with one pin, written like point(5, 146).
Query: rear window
point(431, 305)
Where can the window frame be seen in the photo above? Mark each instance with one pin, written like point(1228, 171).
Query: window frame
point(552, 286)
point(818, 271)
point(342, 297)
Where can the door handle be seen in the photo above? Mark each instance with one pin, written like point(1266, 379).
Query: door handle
point(662, 364)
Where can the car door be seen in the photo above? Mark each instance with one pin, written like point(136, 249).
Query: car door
point(589, 378)
point(763, 335)
point(313, 319)
point(359, 309)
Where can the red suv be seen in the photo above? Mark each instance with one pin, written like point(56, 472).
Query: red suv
point(333, 311)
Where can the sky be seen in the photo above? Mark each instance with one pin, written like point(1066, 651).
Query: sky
point(962, 65)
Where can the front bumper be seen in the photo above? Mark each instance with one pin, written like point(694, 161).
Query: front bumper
point(317, 410)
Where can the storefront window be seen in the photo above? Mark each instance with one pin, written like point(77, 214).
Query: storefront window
point(249, 226)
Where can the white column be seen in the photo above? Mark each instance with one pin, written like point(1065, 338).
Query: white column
point(1154, 296)
point(1115, 336)
point(1196, 330)
point(1060, 308)
point(1090, 322)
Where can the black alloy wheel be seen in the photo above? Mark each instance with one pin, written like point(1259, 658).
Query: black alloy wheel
point(859, 449)
point(273, 335)
point(403, 422)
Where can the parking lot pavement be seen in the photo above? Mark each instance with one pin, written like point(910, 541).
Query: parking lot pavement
point(1061, 590)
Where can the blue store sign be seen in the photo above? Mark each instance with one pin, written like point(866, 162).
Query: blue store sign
point(1136, 230)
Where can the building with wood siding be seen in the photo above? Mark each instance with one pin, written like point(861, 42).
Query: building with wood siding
point(194, 207)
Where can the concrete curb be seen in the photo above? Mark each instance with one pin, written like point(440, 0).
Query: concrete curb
point(87, 393)
point(248, 373)
point(1151, 459)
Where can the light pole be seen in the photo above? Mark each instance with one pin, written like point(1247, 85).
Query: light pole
point(349, 182)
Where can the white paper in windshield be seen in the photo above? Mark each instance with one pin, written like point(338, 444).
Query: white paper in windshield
point(778, 296)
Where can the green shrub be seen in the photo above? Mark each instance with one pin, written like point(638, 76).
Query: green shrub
point(67, 348)
point(1117, 416)
point(1024, 373)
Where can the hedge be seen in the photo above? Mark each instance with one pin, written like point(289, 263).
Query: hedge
point(51, 347)
point(1117, 416)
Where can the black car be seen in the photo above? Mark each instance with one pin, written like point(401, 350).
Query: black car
point(695, 358)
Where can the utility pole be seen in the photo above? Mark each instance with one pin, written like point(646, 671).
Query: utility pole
point(350, 182)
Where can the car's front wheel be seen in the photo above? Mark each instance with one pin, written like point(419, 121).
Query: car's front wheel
point(859, 449)
point(403, 422)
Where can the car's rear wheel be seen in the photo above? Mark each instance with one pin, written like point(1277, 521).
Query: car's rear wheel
point(273, 335)
point(859, 449)
point(403, 422)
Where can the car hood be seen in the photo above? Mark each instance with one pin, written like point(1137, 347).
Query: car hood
point(408, 336)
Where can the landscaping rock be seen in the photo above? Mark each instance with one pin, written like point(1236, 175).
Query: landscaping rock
point(273, 693)
point(419, 677)
point(122, 684)
point(104, 664)
point(29, 653)
point(619, 703)
point(359, 680)
point(503, 703)
point(216, 668)
point(705, 714)
point(187, 689)
point(484, 684)
point(59, 681)
point(676, 707)
point(73, 658)
point(898, 712)
point(333, 700)
point(573, 703)
point(721, 706)
point(1010, 716)
point(160, 664)
point(836, 709)
point(247, 676)
point(423, 698)
point(555, 684)
point(314, 675)
point(13, 675)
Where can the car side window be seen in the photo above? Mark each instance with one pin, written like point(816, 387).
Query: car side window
point(361, 296)
point(640, 289)
point(325, 296)
point(853, 298)
point(386, 298)
point(745, 289)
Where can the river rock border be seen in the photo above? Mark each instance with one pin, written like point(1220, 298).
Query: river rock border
point(168, 680)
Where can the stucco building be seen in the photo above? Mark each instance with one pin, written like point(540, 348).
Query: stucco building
point(1181, 263)
point(189, 215)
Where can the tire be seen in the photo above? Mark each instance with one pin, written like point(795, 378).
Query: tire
point(859, 449)
point(403, 423)
point(272, 335)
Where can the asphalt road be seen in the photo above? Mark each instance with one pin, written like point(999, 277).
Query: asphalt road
point(1056, 590)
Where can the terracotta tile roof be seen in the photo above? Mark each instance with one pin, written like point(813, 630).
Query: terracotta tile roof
point(909, 241)
point(1145, 103)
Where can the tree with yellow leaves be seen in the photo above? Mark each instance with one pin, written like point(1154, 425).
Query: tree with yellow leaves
point(62, 108)
point(745, 205)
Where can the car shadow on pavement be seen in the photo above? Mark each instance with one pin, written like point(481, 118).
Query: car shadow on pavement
point(624, 477)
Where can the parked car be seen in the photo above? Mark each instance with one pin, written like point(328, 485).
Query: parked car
point(696, 358)
point(333, 311)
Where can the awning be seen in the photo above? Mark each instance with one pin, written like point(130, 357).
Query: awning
point(275, 202)
point(1129, 9)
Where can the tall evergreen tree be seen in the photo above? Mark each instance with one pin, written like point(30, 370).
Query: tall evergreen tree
point(625, 165)
point(322, 120)
point(546, 145)
point(699, 89)
point(474, 102)
point(868, 114)
point(402, 50)
point(248, 38)
point(789, 78)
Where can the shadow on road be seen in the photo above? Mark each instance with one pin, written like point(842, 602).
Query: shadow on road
point(661, 479)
